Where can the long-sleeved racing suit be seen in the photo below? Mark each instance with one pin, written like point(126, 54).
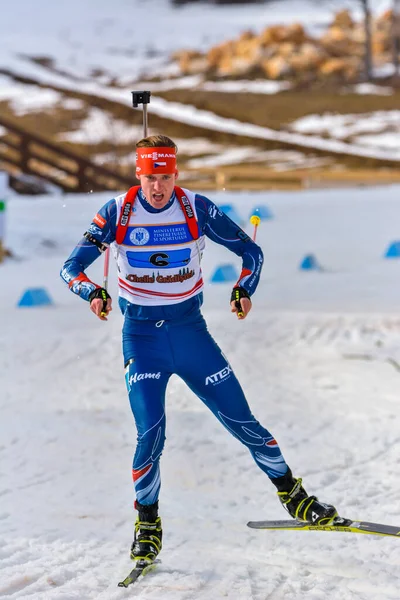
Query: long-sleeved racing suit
point(164, 332)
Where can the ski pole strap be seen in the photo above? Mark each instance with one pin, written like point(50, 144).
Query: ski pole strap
point(103, 295)
point(238, 293)
point(90, 238)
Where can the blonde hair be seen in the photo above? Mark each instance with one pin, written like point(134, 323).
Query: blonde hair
point(157, 141)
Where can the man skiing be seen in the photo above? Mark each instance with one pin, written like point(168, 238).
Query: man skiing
point(158, 232)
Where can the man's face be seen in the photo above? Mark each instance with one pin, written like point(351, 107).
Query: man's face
point(158, 188)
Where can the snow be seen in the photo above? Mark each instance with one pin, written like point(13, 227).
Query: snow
point(371, 89)
point(99, 126)
point(258, 86)
point(279, 160)
point(344, 126)
point(21, 101)
point(385, 125)
point(252, 87)
point(384, 140)
point(319, 359)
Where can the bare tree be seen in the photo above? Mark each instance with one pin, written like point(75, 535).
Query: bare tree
point(396, 36)
point(368, 39)
point(365, 6)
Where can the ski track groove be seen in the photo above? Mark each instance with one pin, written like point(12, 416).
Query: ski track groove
point(257, 584)
point(278, 590)
point(206, 576)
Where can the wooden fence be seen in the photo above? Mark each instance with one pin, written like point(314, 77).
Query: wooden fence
point(26, 152)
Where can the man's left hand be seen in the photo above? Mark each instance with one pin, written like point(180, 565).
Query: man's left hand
point(240, 302)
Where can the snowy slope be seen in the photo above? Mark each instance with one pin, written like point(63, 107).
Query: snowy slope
point(89, 46)
point(319, 359)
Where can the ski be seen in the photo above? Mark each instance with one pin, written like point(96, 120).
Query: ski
point(140, 569)
point(339, 524)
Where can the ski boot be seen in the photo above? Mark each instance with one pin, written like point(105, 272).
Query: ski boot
point(300, 505)
point(148, 534)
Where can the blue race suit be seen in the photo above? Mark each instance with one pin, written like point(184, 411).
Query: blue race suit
point(162, 340)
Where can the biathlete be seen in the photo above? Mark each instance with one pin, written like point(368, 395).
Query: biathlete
point(157, 231)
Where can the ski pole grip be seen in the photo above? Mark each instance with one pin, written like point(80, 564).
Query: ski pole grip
point(103, 295)
point(238, 293)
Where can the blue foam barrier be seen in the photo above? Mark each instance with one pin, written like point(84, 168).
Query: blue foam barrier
point(263, 212)
point(224, 273)
point(35, 297)
point(231, 212)
point(393, 250)
point(310, 263)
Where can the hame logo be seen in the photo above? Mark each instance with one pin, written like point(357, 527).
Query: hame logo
point(217, 378)
point(140, 376)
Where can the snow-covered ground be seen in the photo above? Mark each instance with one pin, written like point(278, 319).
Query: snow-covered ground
point(319, 359)
point(92, 45)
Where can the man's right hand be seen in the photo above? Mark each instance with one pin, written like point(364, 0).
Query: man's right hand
point(100, 303)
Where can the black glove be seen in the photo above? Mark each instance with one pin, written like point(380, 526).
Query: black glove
point(238, 293)
point(103, 295)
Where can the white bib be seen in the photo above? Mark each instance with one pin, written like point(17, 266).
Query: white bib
point(158, 261)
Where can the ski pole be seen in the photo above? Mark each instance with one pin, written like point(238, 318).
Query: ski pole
point(254, 220)
point(105, 274)
point(137, 98)
point(106, 267)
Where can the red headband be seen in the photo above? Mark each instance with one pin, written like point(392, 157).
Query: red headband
point(153, 161)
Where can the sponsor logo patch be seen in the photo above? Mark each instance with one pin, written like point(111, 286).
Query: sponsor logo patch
point(217, 378)
point(139, 236)
point(213, 211)
point(140, 376)
point(99, 220)
point(94, 229)
point(157, 155)
point(183, 275)
point(187, 207)
point(125, 214)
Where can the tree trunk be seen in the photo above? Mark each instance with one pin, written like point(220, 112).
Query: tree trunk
point(396, 36)
point(368, 40)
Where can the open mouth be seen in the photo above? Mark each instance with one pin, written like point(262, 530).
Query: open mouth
point(158, 197)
